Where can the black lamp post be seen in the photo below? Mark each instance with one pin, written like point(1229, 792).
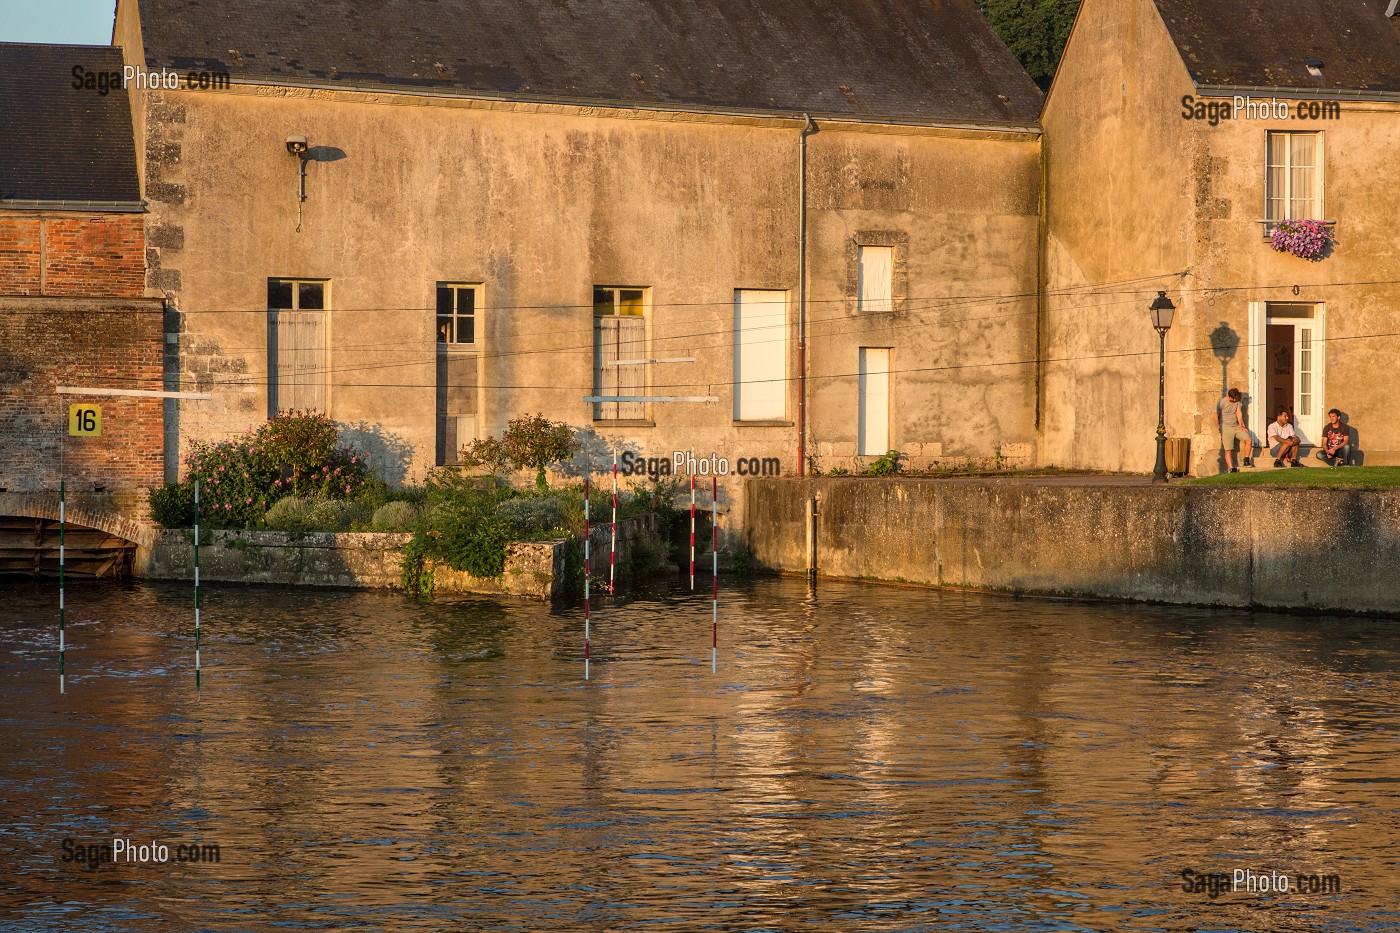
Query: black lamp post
point(1162, 311)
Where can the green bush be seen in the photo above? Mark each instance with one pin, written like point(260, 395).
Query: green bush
point(885, 465)
point(533, 518)
point(289, 514)
point(172, 505)
point(337, 515)
point(294, 454)
point(393, 516)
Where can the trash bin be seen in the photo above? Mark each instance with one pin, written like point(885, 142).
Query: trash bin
point(1178, 455)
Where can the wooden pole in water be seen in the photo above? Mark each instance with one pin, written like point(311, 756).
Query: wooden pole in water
point(714, 581)
point(586, 621)
point(612, 561)
point(196, 582)
point(692, 532)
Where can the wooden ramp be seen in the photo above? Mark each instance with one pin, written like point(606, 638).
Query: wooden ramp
point(29, 546)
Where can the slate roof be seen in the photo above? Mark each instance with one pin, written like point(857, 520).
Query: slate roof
point(1267, 44)
point(902, 60)
point(57, 142)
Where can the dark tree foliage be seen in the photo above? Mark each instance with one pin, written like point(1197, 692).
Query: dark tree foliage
point(1034, 30)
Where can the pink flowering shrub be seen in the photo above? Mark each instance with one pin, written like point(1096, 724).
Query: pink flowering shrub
point(1306, 239)
point(294, 454)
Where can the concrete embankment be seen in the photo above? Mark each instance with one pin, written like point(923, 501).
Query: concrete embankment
point(1335, 549)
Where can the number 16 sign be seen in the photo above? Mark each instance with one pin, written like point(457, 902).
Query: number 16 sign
point(84, 420)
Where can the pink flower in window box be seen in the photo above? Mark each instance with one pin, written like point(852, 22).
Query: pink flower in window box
point(1306, 239)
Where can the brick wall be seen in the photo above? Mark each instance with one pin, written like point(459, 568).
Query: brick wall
point(66, 342)
point(102, 255)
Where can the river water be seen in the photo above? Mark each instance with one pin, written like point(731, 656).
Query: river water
point(865, 759)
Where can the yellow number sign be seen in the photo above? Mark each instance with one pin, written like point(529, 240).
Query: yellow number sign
point(84, 420)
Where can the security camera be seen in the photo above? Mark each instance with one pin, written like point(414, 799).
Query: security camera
point(296, 145)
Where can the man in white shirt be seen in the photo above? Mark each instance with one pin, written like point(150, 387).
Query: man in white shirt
point(1281, 433)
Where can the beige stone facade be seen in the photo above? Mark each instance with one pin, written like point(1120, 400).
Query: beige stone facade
point(539, 204)
point(1140, 197)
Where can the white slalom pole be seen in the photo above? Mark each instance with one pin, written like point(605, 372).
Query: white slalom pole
point(692, 532)
point(612, 561)
point(714, 588)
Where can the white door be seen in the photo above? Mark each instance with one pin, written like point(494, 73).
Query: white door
point(874, 426)
point(760, 355)
point(1307, 401)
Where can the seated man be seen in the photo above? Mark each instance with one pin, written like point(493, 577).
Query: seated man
point(1282, 435)
point(1335, 448)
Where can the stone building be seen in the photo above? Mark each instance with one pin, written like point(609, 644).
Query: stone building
point(1170, 160)
point(73, 310)
point(428, 218)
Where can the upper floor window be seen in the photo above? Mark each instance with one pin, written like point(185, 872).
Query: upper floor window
point(456, 313)
point(875, 268)
point(1294, 177)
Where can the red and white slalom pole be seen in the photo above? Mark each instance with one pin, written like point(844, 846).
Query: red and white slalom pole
point(714, 585)
point(612, 561)
point(586, 631)
point(692, 532)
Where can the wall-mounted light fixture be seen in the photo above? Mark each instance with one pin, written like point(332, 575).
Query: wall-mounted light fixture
point(298, 146)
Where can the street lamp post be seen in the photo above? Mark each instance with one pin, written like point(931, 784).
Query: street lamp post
point(1161, 311)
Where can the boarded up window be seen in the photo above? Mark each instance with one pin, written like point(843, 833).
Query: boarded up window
point(619, 351)
point(876, 265)
point(456, 402)
point(297, 362)
point(760, 355)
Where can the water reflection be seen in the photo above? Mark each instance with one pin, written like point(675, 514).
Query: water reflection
point(866, 758)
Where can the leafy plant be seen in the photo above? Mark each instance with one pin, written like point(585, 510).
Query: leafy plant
point(885, 465)
point(172, 505)
point(840, 471)
point(486, 452)
point(536, 442)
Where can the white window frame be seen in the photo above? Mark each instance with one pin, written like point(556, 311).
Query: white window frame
point(1286, 197)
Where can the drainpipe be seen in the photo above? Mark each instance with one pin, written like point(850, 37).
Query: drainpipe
point(808, 128)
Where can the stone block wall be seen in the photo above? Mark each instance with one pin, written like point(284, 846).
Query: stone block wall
point(1177, 544)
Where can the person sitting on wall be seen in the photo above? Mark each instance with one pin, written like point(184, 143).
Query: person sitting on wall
point(1282, 435)
point(1336, 441)
point(1229, 419)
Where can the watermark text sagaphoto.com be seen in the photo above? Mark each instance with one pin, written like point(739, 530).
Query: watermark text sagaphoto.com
point(1249, 108)
point(684, 462)
point(1249, 881)
point(92, 854)
point(104, 82)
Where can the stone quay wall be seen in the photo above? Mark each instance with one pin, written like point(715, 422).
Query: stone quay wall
point(1327, 549)
point(369, 560)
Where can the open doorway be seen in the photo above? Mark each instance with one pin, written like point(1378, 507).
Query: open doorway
point(1288, 370)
